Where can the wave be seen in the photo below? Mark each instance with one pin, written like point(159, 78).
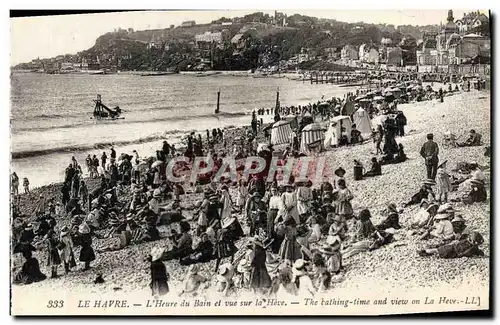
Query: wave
point(99, 145)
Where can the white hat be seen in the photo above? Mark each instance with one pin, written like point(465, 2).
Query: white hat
point(156, 253)
point(84, 228)
point(157, 193)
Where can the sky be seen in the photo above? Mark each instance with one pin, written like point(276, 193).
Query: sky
point(49, 36)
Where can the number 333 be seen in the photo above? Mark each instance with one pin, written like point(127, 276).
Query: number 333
point(55, 304)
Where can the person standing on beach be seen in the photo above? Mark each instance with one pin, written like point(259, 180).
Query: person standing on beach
point(26, 185)
point(113, 153)
point(430, 152)
point(104, 157)
point(15, 184)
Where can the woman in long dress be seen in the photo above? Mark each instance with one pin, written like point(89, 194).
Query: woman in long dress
point(259, 277)
point(290, 249)
point(159, 275)
point(87, 254)
point(66, 251)
point(53, 260)
point(242, 194)
point(227, 204)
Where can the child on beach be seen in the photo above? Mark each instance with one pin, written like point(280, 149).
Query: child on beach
point(26, 184)
point(242, 194)
point(443, 183)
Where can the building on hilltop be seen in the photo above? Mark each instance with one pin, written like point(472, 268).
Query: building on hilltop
point(349, 53)
point(189, 23)
point(471, 21)
point(208, 39)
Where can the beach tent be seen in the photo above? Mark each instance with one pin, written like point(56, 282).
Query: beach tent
point(363, 123)
point(348, 109)
point(312, 137)
point(332, 135)
point(280, 132)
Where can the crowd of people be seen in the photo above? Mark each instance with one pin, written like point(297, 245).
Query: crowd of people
point(279, 238)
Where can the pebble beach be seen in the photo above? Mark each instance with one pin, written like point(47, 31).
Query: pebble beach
point(396, 266)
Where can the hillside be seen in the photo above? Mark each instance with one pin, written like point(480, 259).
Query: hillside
point(265, 42)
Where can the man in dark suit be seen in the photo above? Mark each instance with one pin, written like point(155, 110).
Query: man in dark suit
point(430, 152)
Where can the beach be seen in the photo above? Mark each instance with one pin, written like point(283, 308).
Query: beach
point(395, 266)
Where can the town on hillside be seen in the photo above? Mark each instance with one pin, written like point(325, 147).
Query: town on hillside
point(265, 43)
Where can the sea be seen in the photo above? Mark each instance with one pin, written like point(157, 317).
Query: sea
point(51, 115)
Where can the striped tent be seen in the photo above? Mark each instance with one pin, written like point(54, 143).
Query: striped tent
point(312, 137)
point(280, 133)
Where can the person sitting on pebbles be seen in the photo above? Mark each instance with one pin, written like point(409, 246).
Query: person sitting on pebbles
point(473, 140)
point(459, 227)
point(465, 247)
point(425, 192)
point(392, 219)
point(225, 279)
point(423, 216)
point(202, 253)
point(193, 281)
point(332, 255)
point(321, 277)
point(338, 227)
point(301, 279)
point(442, 229)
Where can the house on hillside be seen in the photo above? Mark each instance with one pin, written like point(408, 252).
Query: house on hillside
point(189, 23)
point(394, 56)
point(426, 51)
point(208, 39)
point(470, 47)
point(349, 53)
point(471, 21)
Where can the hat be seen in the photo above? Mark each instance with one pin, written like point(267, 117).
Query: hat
point(213, 197)
point(432, 206)
point(441, 164)
point(156, 253)
point(445, 208)
point(28, 227)
point(430, 182)
point(340, 172)
point(299, 264)
point(225, 271)
point(458, 218)
point(424, 201)
point(193, 268)
point(228, 222)
point(64, 231)
point(477, 238)
point(84, 228)
point(157, 193)
point(476, 181)
point(207, 191)
point(243, 266)
point(441, 216)
point(256, 240)
point(257, 195)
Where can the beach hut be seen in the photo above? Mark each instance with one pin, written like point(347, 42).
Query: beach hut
point(332, 135)
point(363, 123)
point(280, 132)
point(312, 137)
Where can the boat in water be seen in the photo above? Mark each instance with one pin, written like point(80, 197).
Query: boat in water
point(101, 111)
